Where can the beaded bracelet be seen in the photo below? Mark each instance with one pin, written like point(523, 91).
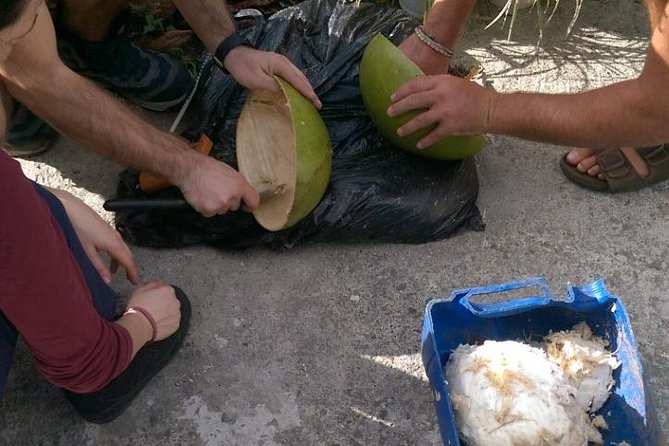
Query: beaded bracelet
point(430, 41)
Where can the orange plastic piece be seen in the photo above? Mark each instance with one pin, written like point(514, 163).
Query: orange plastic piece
point(151, 183)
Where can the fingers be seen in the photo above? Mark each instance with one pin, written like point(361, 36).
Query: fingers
point(251, 198)
point(416, 101)
point(414, 86)
point(421, 121)
point(214, 188)
point(285, 68)
point(235, 204)
point(98, 263)
point(256, 69)
point(120, 255)
point(431, 138)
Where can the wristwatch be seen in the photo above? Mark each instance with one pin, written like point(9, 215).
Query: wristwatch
point(228, 44)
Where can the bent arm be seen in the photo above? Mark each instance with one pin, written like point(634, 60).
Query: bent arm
point(630, 113)
point(44, 294)
point(446, 20)
point(35, 75)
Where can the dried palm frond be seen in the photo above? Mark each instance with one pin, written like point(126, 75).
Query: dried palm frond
point(512, 7)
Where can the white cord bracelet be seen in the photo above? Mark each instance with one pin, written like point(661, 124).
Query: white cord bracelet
point(428, 40)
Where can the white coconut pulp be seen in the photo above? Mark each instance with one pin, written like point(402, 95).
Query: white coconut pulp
point(510, 393)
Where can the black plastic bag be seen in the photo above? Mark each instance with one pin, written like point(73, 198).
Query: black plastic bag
point(376, 192)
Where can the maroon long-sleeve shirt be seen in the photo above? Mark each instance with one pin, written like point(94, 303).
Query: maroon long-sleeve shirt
point(44, 295)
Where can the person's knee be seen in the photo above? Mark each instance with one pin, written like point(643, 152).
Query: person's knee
point(89, 4)
point(86, 5)
point(89, 19)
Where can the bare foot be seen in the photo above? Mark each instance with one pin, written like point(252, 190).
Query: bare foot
point(585, 161)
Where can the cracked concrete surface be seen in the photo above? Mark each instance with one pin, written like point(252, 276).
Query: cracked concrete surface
point(320, 345)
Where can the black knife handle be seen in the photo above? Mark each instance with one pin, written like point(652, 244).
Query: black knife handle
point(145, 204)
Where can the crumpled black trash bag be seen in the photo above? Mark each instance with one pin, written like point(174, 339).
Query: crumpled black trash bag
point(376, 192)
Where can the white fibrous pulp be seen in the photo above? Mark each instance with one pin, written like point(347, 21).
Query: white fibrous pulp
point(509, 393)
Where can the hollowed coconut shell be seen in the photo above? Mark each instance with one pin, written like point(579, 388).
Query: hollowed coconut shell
point(283, 150)
point(383, 70)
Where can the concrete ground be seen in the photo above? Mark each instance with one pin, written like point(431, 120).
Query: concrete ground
point(320, 345)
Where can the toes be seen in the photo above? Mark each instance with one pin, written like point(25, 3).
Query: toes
point(575, 156)
point(594, 171)
point(586, 164)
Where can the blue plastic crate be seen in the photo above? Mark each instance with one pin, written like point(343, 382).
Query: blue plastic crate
point(629, 411)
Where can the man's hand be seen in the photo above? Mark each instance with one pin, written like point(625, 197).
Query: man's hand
point(213, 188)
point(457, 107)
point(427, 59)
point(97, 236)
point(256, 69)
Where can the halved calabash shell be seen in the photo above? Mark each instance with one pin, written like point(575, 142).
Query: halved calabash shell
point(284, 151)
point(384, 68)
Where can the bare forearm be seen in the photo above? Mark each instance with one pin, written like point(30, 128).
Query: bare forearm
point(618, 115)
point(447, 18)
point(210, 19)
point(138, 328)
point(630, 113)
point(100, 122)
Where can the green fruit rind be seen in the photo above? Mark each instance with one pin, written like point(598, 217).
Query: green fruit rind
point(383, 70)
point(313, 154)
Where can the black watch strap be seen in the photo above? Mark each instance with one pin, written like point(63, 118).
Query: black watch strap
point(228, 44)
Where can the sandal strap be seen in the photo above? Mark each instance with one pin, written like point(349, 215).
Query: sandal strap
point(614, 164)
point(655, 155)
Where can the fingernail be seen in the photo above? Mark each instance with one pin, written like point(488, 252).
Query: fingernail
point(571, 157)
point(400, 131)
point(107, 279)
point(389, 112)
point(420, 145)
point(393, 96)
point(580, 167)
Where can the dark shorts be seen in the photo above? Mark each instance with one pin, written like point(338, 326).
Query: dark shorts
point(103, 297)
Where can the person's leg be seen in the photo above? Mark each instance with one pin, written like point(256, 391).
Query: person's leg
point(91, 19)
point(90, 42)
point(108, 403)
point(23, 134)
point(104, 298)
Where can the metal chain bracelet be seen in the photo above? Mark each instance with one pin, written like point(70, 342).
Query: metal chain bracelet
point(430, 41)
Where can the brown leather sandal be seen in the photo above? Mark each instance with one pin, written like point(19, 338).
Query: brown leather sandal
point(619, 175)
